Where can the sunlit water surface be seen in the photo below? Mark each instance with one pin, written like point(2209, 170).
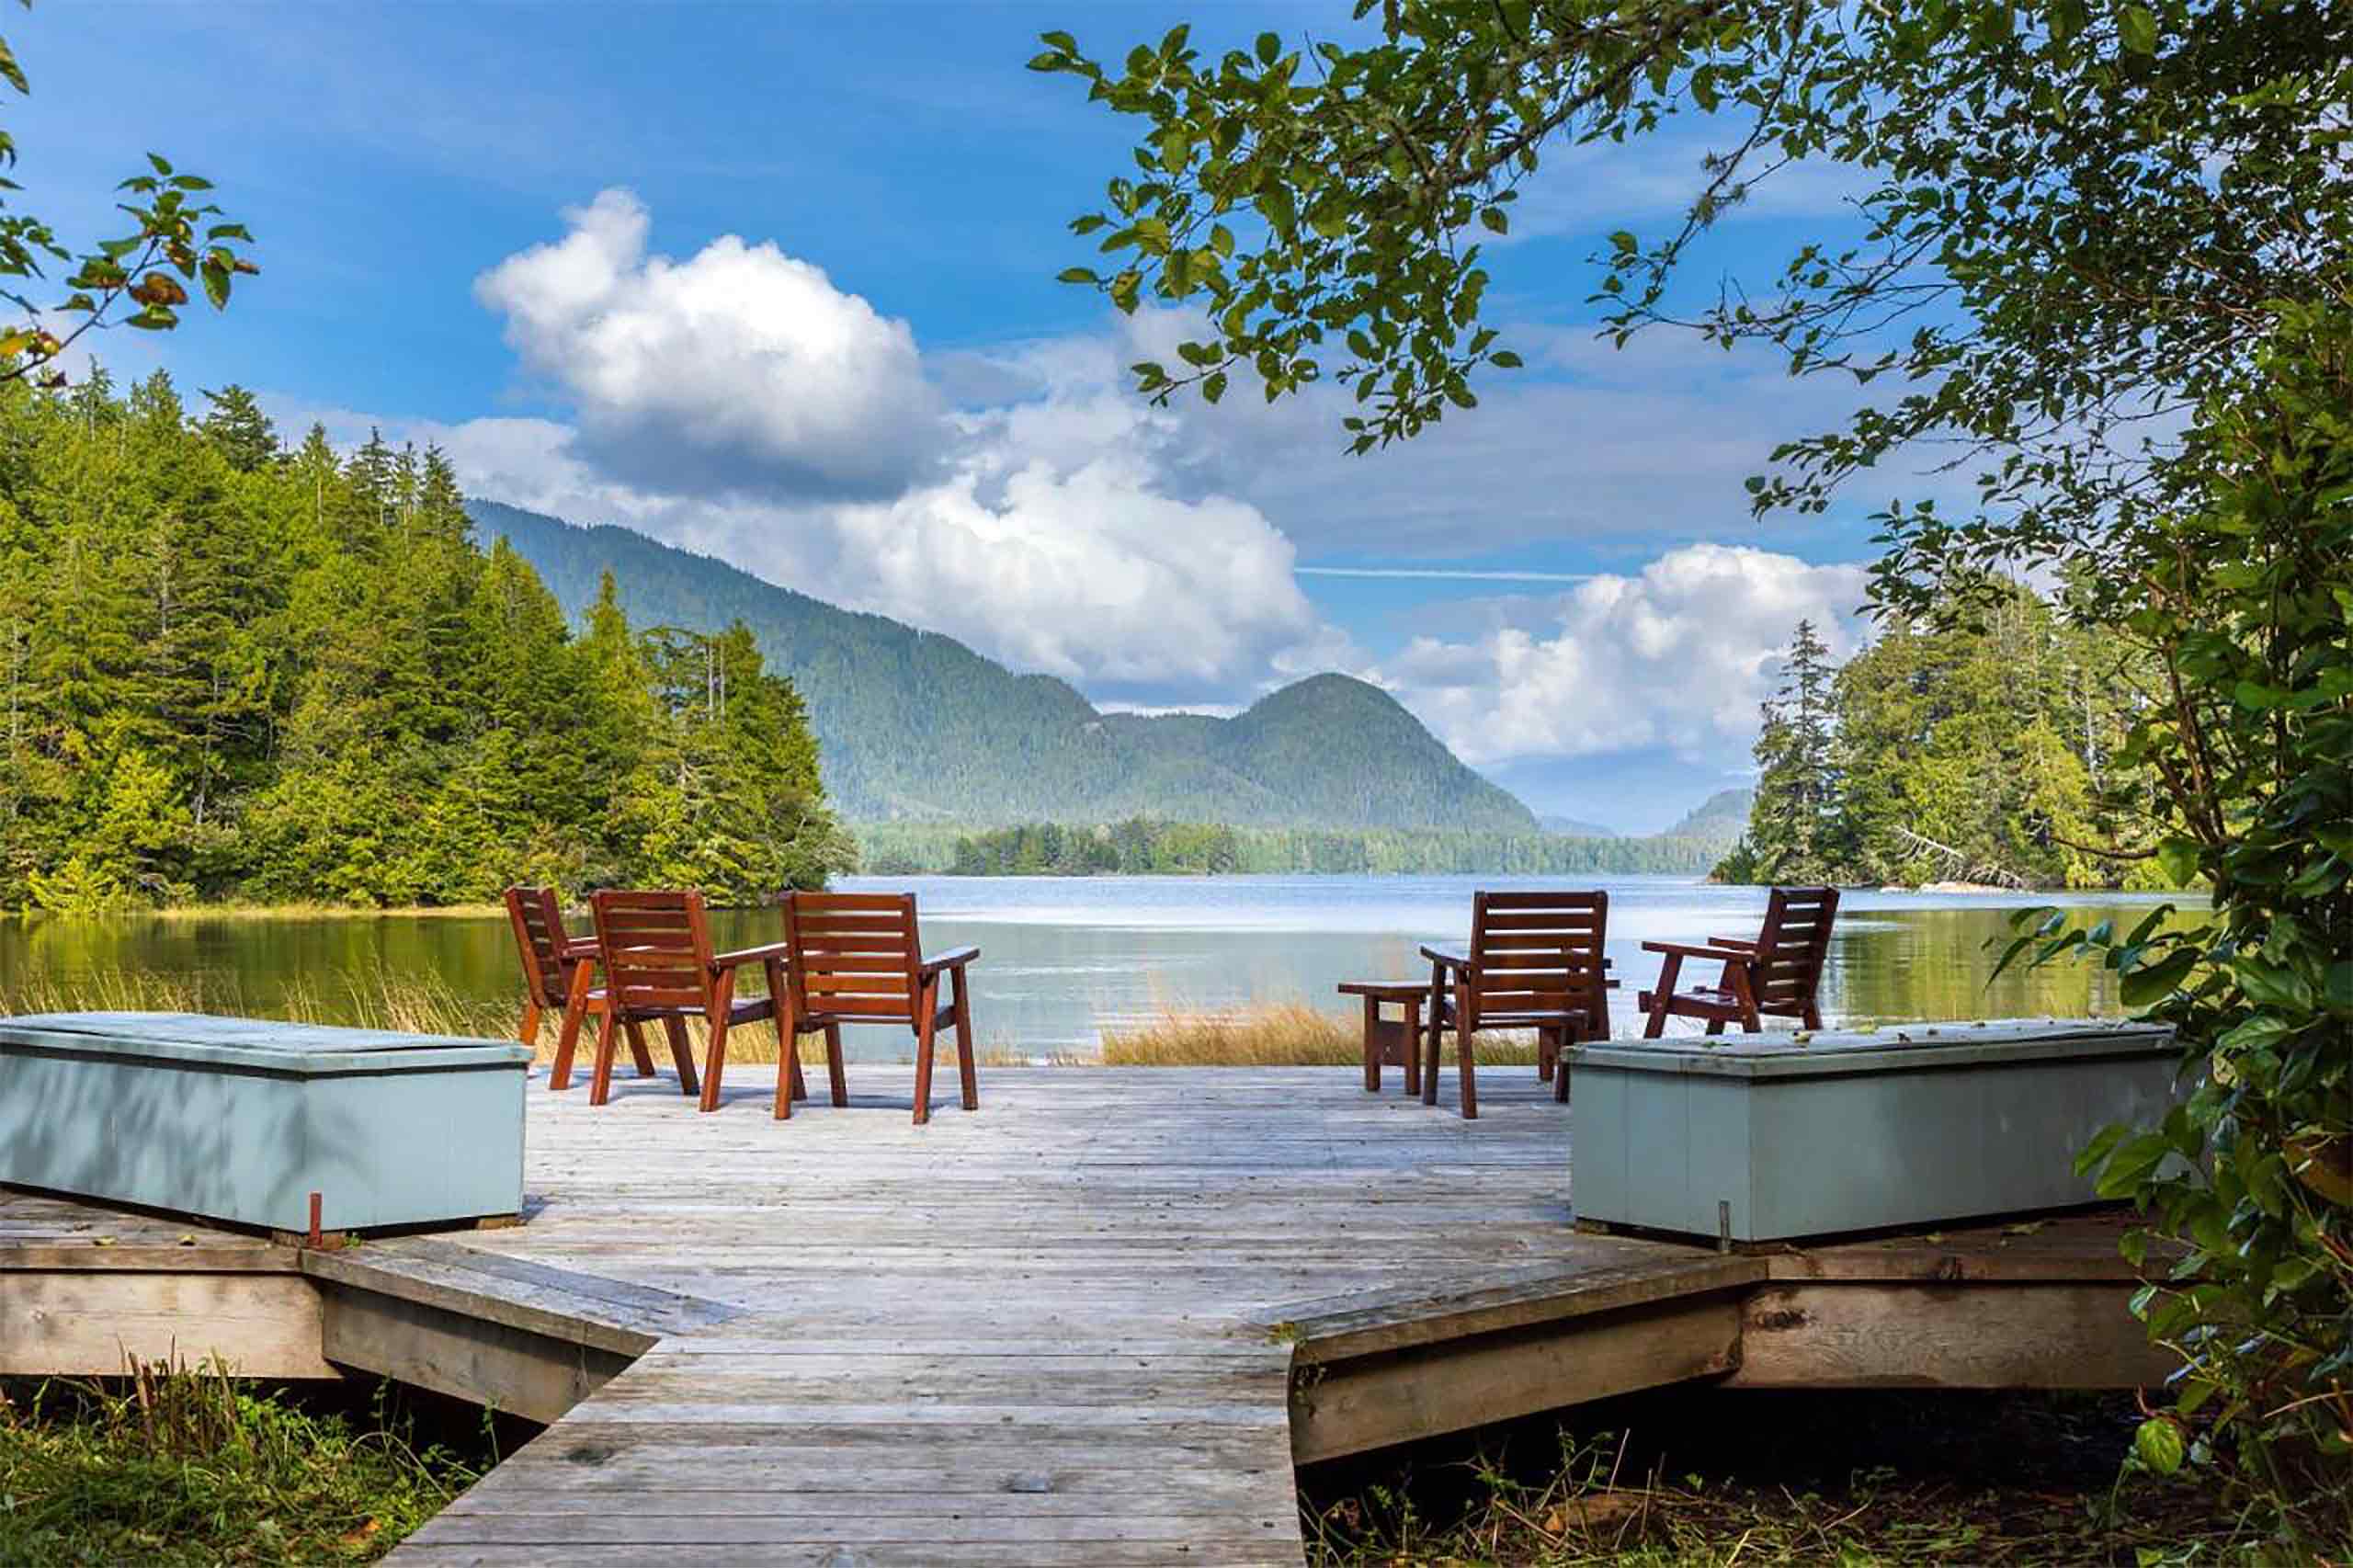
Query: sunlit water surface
point(1063, 958)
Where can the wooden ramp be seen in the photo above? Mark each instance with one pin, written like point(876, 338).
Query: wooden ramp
point(1096, 1322)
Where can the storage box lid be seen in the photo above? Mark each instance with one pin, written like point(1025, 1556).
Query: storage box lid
point(304, 1049)
point(1889, 1048)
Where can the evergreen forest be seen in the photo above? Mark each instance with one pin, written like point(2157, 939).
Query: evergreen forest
point(1980, 749)
point(1145, 846)
point(235, 671)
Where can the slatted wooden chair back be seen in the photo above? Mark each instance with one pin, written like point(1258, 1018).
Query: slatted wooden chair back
point(1538, 954)
point(538, 917)
point(658, 950)
point(853, 955)
point(1790, 949)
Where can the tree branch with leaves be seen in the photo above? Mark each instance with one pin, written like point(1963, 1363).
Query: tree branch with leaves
point(175, 240)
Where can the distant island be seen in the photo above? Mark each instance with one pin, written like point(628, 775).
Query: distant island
point(1142, 845)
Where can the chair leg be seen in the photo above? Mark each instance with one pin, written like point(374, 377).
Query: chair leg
point(682, 1055)
point(966, 1068)
point(1437, 1020)
point(836, 1080)
point(927, 1026)
point(567, 1039)
point(528, 1031)
point(1663, 999)
point(1813, 1016)
point(1715, 1025)
point(787, 1065)
point(789, 1079)
point(1373, 1045)
point(637, 1051)
point(600, 1081)
point(1412, 1035)
point(723, 1001)
point(1466, 1067)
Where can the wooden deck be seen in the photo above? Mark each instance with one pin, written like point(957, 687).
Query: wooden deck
point(1096, 1322)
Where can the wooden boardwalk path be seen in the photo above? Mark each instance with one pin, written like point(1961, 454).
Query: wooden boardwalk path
point(1034, 1334)
point(1096, 1322)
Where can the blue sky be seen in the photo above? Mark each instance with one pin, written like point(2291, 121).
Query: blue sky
point(775, 281)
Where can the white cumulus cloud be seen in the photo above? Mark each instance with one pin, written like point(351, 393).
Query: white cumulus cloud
point(1676, 657)
point(738, 403)
point(738, 369)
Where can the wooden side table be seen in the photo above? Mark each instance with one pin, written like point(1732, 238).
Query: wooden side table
point(1390, 1042)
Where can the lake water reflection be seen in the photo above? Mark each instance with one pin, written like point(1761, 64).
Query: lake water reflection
point(1064, 958)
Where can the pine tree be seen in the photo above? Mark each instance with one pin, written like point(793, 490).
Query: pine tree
point(1792, 831)
point(244, 436)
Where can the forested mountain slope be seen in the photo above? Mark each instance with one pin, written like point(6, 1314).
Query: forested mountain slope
point(917, 727)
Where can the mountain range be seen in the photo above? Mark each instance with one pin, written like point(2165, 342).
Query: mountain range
point(916, 727)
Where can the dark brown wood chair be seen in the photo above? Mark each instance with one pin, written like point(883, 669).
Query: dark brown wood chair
point(656, 950)
point(558, 973)
point(1778, 974)
point(857, 958)
point(1534, 963)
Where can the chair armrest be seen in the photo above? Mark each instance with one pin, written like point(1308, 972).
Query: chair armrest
point(954, 958)
point(760, 954)
point(1731, 942)
point(1452, 958)
point(1700, 950)
point(579, 948)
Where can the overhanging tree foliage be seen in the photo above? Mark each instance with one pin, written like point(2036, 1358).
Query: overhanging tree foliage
point(175, 239)
point(2104, 267)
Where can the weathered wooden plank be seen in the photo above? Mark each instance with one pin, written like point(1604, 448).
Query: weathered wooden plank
point(1349, 1406)
point(944, 1532)
point(457, 1352)
point(884, 1554)
point(85, 1322)
point(203, 1256)
point(1932, 1336)
point(1391, 1320)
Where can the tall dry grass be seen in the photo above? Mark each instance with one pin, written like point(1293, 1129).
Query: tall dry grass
point(413, 1004)
point(1274, 1034)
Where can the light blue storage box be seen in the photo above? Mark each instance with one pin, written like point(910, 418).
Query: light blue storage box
point(241, 1120)
point(1756, 1138)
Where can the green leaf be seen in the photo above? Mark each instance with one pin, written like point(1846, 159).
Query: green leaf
point(1505, 359)
point(2137, 29)
point(2257, 1033)
point(1269, 47)
point(1213, 386)
point(2178, 859)
point(2158, 1443)
point(1076, 275)
point(2157, 980)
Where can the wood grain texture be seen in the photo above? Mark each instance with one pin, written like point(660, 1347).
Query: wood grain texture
point(1092, 1322)
point(84, 1324)
point(1855, 1334)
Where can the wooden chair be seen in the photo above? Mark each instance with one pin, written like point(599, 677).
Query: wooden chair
point(558, 972)
point(659, 964)
point(857, 958)
point(1534, 961)
point(1778, 973)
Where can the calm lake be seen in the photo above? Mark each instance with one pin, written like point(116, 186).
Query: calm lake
point(1064, 958)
